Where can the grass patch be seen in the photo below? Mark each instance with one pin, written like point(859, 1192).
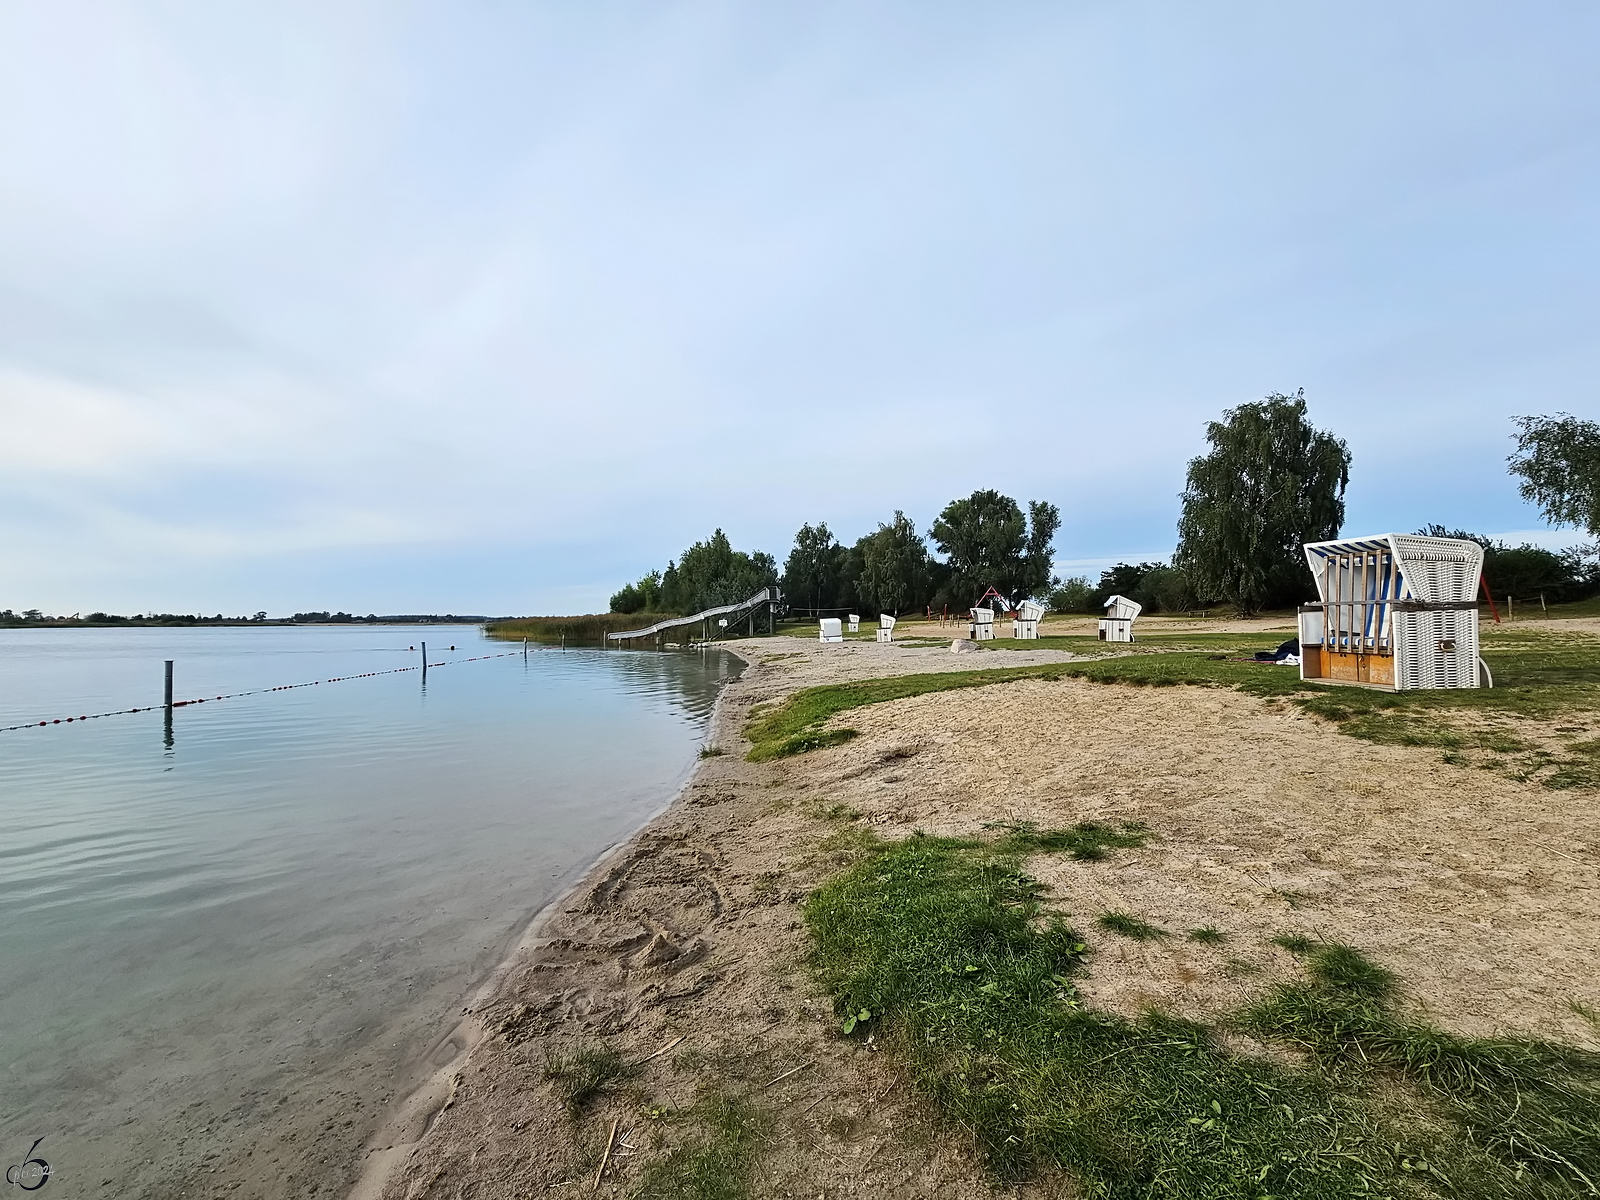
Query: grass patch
point(1295, 943)
point(1522, 1116)
point(716, 1162)
point(1208, 935)
point(1130, 926)
point(582, 1074)
point(968, 979)
point(1085, 841)
point(1348, 971)
point(712, 751)
point(1541, 677)
point(795, 726)
point(1586, 1011)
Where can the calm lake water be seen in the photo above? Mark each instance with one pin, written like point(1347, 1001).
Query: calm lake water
point(220, 958)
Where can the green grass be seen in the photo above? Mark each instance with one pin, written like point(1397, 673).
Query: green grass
point(1573, 608)
point(1514, 1107)
point(795, 726)
point(582, 1074)
point(969, 980)
point(1586, 1011)
point(1541, 677)
point(1208, 935)
point(716, 1162)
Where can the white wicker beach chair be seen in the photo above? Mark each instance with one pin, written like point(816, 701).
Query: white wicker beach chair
point(982, 627)
point(1026, 623)
point(1117, 624)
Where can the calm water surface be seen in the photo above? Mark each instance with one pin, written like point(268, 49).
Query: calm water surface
point(202, 942)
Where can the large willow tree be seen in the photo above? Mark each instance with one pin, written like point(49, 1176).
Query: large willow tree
point(1270, 483)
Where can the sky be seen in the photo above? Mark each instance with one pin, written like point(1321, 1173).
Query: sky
point(491, 308)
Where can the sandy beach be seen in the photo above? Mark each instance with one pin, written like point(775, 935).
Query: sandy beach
point(684, 952)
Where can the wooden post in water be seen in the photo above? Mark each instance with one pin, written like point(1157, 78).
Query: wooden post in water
point(424, 662)
point(168, 700)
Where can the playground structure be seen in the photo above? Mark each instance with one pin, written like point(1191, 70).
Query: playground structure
point(1117, 624)
point(1025, 625)
point(885, 628)
point(981, 628)
point(1394, 611)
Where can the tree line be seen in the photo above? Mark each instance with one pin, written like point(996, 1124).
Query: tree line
point(1269, 483)
point(986, 540)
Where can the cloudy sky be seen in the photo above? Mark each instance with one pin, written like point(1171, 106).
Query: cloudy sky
point(491, 307)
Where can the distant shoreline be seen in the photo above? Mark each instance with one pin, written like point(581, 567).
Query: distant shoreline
point(181, 622)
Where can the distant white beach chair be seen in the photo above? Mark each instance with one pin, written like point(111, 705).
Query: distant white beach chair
point(1117, 624)
point(982, 626)
point(1026, 623)
point(885, 628)
point(855, 623)
point(831, 631)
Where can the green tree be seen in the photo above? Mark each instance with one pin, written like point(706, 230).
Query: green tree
point(851, 563)
point(1155, 585)
point(1559, 460)
point(1044, 520)
point(1270, 484)
point(671, 590)
point(1075, 595)
point(989, 543)
point(812, 571)
point(1122, 580)
point(712, 573)
point(894, 567)
point(644, 596)
point(1164, 589)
